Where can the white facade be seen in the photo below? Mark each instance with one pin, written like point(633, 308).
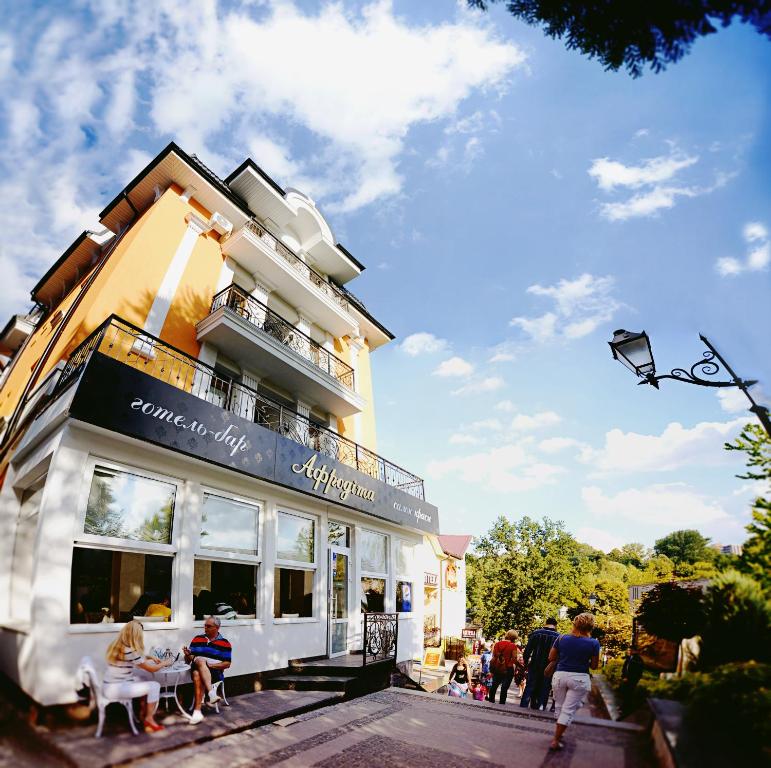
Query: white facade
point(39, 646)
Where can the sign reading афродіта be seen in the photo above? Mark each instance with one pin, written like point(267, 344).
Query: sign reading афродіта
point(119, 398)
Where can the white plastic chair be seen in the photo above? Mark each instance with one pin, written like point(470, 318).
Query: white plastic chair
point(219, 690)
point(88, 676)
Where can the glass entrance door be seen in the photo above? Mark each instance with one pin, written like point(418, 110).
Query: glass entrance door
point(338, 601)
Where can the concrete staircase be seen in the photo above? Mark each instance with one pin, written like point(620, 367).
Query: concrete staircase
point(344, 674)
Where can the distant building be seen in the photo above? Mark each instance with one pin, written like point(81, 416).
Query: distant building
point(638, 590)
point(731, 549)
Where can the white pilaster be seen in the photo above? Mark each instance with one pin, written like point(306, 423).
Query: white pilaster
point(304, 409)
point(156, 317)
point(356, 344)
point(260, 292)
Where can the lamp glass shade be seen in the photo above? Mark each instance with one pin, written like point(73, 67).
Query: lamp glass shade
point(634, 351)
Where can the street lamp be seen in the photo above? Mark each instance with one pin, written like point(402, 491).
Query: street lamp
point(592, 600)
point(634, 351)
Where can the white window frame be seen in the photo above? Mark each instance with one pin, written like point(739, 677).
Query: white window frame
point(110, 542)
point(298, 565)
point(84, 540)
point(235, 558)
point(366, 574)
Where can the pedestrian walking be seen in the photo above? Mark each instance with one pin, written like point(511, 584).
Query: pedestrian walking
point(502, 665)
point(536, 657)
point(572, 656)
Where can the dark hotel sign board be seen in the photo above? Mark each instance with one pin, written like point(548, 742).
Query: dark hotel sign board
point(122, 399)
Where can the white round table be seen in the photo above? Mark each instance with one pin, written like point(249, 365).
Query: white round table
point(169, 678)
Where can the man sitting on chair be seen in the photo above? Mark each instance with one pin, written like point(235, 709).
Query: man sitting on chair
point(208, 655)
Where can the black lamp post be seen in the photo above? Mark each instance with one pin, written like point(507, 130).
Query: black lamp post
point(592, 600)
point(634, 351)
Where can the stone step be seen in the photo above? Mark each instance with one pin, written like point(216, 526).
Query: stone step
point(311, 683)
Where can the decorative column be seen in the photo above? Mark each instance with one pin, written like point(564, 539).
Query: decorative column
point(304, 409)
point(302, 344)
point(257, 313)
point(247, 402)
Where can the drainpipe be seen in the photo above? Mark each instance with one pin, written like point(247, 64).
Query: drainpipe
point(12, 424)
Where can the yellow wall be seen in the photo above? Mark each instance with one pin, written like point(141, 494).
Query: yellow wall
point(345, 426)
point(126, 286)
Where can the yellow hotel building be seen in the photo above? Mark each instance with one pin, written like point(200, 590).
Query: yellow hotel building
point(187, 422)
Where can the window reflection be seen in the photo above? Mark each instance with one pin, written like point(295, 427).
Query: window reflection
point(373, 595)
point(296, 538)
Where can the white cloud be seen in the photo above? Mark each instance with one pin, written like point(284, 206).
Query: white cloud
point(582, 305)
point(553, 445)
point(505, 352)
point(675, 447)
point(649, 187)
point(758, 255)
point(506, 469)
point(599, 538)
point(489, 384)
point(454, 366)
point(493, 425)
point(423, 343)
point(524, 423)
point(506, 406)
point(86, 89)
point(461, 438)
point(675, 505)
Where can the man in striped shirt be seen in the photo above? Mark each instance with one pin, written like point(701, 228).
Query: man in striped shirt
point(209, 655)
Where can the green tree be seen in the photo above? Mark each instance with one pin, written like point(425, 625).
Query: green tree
point(672, 612)
point(686, 546)
point(630, 554)
point(522, 572)
point(635, 35)
point(102, 519)
point(756, 555)
point(738, 621)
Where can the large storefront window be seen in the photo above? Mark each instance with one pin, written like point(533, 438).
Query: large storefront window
point(110, 586)
point(295, 572)
point(124, 552)
point(225, 575)
point(373, 549)
point(123, 505)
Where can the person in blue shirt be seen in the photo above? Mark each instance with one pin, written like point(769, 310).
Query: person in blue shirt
point(537, 687)
point(574, 654)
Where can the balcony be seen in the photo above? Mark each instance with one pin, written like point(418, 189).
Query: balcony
point(261, 254)
point(130, 346)
point(264, 342)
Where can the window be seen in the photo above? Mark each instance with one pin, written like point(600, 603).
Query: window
point(373, 595)
point(403, 596)
point(123, 556)
point(373, 549)
point(224, 589)
point(296, 538)
point(225, 574)
point(228, 525)
point(293, 593)
point(339, 534)
point(403, 555)
point(110, 586)
point(123, 505)
point(295, 566)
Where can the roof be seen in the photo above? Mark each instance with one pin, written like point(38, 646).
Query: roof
point(454, 545)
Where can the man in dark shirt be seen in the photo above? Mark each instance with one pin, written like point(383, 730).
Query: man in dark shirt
point(539, 644)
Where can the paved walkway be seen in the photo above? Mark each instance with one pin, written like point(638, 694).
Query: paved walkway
point(403, 729)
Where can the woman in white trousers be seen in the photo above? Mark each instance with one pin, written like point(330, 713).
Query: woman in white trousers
point(575, 654)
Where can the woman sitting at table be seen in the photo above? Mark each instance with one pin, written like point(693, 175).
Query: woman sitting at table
point(122, 680)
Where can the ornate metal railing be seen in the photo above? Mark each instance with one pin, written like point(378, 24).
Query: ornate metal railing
point(130, 345)
point(310, 274)
point(381, 634)
point(255, 312)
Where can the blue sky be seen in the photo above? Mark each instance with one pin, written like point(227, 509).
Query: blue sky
point(513, 202)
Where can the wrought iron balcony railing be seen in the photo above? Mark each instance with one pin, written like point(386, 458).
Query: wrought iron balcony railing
point(310, 274)
point(258, 314)
point(122, 341)
point(381, 637)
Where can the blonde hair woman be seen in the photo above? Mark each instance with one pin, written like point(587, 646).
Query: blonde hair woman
point(575, 654)
point(125, 655)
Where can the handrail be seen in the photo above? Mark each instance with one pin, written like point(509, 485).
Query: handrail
point(299, 265)
point(255, 312)
point(381, 637)
point(130, 345)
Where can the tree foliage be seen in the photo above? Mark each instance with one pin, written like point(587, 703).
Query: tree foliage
point(635, 35)
point(672, 611)
point(687, 546)
point(756, 554)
